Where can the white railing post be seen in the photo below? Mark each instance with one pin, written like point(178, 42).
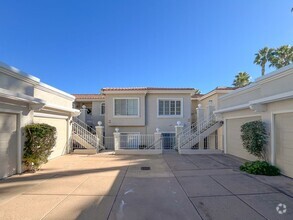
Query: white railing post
point(200, 113)
point(158, 139)
point(83, 113)
point(116, 139)
point(211, 108)
point(178, 133)
point(100, 133)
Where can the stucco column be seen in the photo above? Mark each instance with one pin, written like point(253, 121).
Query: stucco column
point(158, 139)
point(83, 113)
point(178, 131)
point(200, 113)
point(116, 139)
point(100, 133)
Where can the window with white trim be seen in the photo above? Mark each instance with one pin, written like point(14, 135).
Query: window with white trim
point(170, 107)
point(102, 110)
point(126, 107)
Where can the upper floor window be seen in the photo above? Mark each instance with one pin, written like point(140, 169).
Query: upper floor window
point(102, 110)
point(126, 106)
point(170, 107)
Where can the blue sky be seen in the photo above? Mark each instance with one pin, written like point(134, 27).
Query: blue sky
point(82, 46)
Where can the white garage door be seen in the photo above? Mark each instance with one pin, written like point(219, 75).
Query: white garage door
point(61, 127)
point(233, 141)
point(8, 144)
point(284, 142)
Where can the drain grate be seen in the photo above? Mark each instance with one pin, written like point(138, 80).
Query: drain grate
point(145, 168)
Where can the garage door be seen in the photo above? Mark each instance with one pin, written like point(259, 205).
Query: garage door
point(234, 142)
point(61, 127)
point(8, 144)
point(284, 142)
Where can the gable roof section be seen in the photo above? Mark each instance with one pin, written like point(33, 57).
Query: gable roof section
point(147, 90)
point(218, 90)
point(89, 97)
point(142, 89)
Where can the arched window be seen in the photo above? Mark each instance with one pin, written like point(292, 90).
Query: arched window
point(102, 110)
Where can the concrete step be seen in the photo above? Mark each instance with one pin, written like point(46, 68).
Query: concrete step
point(88, 151)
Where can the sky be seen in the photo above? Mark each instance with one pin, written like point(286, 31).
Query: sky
point(81, 46)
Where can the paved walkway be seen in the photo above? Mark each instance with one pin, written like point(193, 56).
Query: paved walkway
point(114, 187)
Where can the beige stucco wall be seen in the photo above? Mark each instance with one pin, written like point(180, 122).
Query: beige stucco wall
point(205, 101)
point(16, 85)
point(233, 142)
point(278, 85)
point(269, 85)
point(96, 112)
point(148, 119)
point(111, 120)
point(166, 124)
point(52, 98)
point(241, 98)
point(283, 142)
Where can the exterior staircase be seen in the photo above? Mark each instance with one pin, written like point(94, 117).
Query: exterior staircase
point(188, 140)
point(84, 139)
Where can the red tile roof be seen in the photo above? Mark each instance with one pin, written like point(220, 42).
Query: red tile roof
point(143, 88)
point(89, 96)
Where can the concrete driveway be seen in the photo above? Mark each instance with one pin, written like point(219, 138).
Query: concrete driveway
point(106, 186)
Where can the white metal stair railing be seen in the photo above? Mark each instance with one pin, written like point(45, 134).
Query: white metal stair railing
point(84, 137)
point(191, 137)
point(84, 125)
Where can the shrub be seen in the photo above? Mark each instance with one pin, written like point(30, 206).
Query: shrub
point(254, 138)
point(260, 168)
point(40, 139)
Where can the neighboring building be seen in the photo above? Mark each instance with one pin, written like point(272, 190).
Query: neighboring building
point(270, 99)
point(25, 100)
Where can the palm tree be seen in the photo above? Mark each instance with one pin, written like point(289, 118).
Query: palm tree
point(241, 79)
point(282, 56)
point(262, 57)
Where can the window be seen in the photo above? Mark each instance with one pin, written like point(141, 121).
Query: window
point(170, 107)
point(126, 107)
point(102, 110)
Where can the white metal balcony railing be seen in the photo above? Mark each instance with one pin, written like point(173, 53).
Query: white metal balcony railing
point(140, 142)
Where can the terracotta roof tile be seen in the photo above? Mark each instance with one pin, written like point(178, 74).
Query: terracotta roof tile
point(89, 96)
point(143, 88)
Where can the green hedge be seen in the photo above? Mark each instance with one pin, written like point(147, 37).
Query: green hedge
point(260, 168)
point(40, 139)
